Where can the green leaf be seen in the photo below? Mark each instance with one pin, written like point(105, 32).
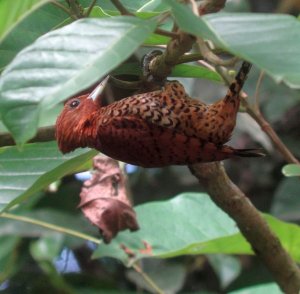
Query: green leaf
point(26, 30)
point(47, 247)
point(12, 13)
point(180, 70)
point(23, 173)
point(170, 278)
point(155, 39)
point(193, 71)
point(8, 256)
point(286, 201)
point(43, 251)
point(291, 170)
point(62, 63)
point(191, 224)
point(226, 267)
point(250, 36)
point(260, 289)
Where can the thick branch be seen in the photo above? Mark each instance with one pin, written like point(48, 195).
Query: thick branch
point(250, 222)
point(162, 65)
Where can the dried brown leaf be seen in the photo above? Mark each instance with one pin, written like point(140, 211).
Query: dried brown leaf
point(104, 200)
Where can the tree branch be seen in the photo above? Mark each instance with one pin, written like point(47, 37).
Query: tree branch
point(251, 224)
point(43, 135)
point(88, 12)
point(76, 8)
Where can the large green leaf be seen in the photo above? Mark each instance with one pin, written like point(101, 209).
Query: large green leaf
point(194, 71)
point(23, 173)
point(270, 41)
point(36, 23)
point(62, 63)
point(153, 39)
point(12, 13)
point(191, 224)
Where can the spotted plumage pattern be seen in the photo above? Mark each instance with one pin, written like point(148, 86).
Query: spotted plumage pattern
point(155, 129)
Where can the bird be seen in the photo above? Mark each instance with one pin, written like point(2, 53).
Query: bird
point(155, 129)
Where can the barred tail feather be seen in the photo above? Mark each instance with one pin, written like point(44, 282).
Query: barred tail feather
point(238, 83)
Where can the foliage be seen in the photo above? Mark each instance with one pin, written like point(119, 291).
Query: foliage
point(45, 57)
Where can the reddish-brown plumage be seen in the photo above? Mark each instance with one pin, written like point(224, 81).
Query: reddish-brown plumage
point(154, 129)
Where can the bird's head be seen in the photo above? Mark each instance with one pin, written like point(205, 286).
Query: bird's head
point(74, 124)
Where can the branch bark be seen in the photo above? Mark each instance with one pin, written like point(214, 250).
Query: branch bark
point(251, 224)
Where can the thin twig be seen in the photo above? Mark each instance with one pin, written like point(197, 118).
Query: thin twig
point(210, 56)
point(206, 52)
point(267, 128)
point(121, 8)
point(76, 8)
point(50, 227)
point(189, 58)
point(88, 12)
point(158, 31)
point(166, 33)
point(64, 8)
point(148, 279)
point(256, 95)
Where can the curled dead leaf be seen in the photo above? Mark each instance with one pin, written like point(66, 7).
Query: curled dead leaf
point(104, 201)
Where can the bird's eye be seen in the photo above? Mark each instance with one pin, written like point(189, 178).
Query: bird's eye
point(74, 103)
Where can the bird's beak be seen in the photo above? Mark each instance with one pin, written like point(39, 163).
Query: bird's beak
point(95, 95)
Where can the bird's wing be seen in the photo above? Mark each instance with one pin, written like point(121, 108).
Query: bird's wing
point(138, 142)
point(169, 108)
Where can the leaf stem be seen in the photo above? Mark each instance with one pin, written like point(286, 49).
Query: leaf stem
point(64, 8)
point(256, 95)
point(167, 33)
point(121, 8)
point(139, 270)
point(266, 127)
point(158, 31)
point(50, 226)
point(88, 12)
